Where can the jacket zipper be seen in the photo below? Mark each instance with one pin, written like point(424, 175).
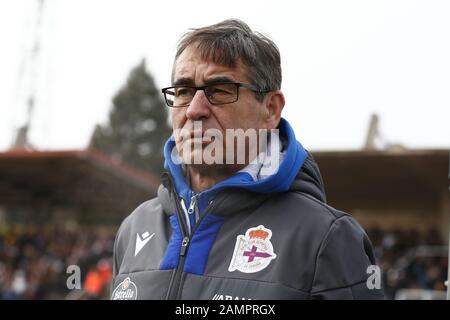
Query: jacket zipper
point(193, 208)
point(176, 281)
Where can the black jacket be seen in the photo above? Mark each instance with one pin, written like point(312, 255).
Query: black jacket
point(246, 244)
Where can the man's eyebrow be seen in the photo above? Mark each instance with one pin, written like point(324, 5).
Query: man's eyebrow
point(184, 81)
point(216, 80)
point(190, 82)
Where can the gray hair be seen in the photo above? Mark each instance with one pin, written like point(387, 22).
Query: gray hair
point(229, 41)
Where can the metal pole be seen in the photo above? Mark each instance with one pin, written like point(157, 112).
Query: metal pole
point(448, 267)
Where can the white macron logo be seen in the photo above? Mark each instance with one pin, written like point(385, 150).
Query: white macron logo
point(141, 241)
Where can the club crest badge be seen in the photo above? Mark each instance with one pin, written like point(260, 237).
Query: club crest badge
point(252, 252)
point(126, 290)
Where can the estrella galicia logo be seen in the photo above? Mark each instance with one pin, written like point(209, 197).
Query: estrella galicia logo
point(126, 290)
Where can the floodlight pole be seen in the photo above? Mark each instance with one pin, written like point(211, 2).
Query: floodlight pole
point(448, 264)
point(448, 268)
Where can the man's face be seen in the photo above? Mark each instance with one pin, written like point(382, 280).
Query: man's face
point(246, 113)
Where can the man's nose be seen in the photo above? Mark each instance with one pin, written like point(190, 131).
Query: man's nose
point(199, 108)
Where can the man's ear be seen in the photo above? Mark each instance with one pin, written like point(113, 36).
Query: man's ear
point(274, 105)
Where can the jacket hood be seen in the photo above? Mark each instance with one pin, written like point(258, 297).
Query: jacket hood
point(297, 172)
point(309, 180)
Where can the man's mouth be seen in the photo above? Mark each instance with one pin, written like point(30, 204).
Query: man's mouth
point(196, 137)
point(200, 137)
point(197, 134)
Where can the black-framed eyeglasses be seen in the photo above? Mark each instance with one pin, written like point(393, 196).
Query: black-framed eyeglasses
point(218, 93)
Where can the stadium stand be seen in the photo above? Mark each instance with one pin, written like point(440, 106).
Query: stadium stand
point(63, 208)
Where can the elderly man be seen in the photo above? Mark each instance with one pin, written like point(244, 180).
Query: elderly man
point(241, 211)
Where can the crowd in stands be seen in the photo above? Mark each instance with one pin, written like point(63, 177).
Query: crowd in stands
point(410, 259)
point(34, 261)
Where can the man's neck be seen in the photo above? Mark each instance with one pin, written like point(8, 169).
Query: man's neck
point(204, 178)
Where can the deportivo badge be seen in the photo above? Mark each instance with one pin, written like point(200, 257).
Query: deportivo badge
point(252, 252)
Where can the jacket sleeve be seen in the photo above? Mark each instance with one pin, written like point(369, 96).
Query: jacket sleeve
point(342, 264)
point(117, 256)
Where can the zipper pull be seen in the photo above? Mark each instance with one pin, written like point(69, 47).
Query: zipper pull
point(184, 246)
point(193, 207)
point(193, 204)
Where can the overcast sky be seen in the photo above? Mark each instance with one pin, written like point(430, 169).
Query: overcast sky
point(341, 60)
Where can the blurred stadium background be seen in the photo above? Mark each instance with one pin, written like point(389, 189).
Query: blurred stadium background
point(63, 207)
